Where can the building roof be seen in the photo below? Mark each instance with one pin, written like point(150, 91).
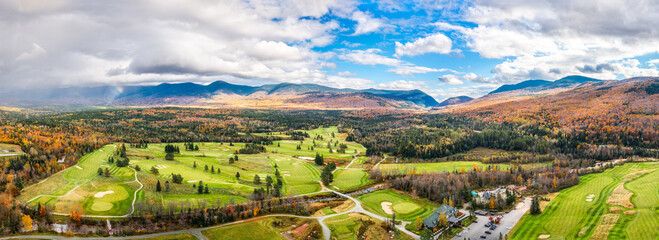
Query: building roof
point(432, 220)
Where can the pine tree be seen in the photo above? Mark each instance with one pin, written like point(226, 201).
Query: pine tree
point(535, 206)
point(206, 189)
point(237, 175)
point(200, 187)
point(319, 159)
point(158, 188)
point(99, 171)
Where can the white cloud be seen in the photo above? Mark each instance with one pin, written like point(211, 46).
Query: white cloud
point(403, 85)
point(369, 57)
point(551, 39)
point(474, 91)
point(365, 23)
point(83, 42)
point(411, 70)
point(451, 79)
point(436, 43)
point(346, 73)
point(653, 62)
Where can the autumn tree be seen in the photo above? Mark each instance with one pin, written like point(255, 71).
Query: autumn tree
point(76, 213)
point(26, 221)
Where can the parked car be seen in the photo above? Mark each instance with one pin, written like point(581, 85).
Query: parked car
point(488, 224)
point(488, 232)
point(493, 227)
point(483, 237)
point(475, 221)
point(507, 212)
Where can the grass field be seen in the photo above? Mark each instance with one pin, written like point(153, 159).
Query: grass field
point(79, 184)
point(571, 216)
point(264, 228)
point(439, 166)
point(406, 208)
point(182, 236)
point(347, 226)
point(350, 178)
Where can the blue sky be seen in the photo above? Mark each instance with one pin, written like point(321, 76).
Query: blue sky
point(445, 48)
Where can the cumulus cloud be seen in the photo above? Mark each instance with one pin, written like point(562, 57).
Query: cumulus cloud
point(550, 39)
point(474, 91)
point(122, 42)
point(365, 23)
point(436, 43)
point(451, 79)
point(403, 85)
point(373, 57)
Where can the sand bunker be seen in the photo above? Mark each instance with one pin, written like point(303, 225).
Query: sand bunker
point(287, 174)
point(630, 212)
point(386, 207)
point(305, 158)
point(544, 236)
point(193, 181)
point(590, 197)
point(614, 209)
point(160, 166)
point(78, 167)
point(101, 194)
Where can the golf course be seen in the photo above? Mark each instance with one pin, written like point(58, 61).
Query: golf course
point(386, 202)
point(99, 187)
point(620, 203)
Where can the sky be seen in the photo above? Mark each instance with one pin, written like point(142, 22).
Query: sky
point(444, 48)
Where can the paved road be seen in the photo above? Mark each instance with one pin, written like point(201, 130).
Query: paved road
point(476, 230)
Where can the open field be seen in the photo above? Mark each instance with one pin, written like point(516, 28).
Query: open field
point(265, 228)
point(572, 216)
point(406, 208)
point(112, 196)
point(8, 150)
point(350, 178)
point(439, 166)
point(182, 236)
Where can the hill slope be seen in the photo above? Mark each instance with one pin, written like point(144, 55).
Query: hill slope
point(454, 101)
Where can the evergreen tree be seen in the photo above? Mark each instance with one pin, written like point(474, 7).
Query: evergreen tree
point(319, 160)
point(194, 164)
point(257, 179)
point(158, 188)
point(200, 187)
point(237, 175)
point(206, 189)
point(535, 206)
point(99, 171)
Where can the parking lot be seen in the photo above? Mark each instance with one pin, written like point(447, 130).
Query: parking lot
point(476, 230)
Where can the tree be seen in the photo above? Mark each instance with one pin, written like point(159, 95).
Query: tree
point(205, 168)
point(42, 211)
point(158, 188)
point(268, 183)
point(238, 175)
point(26, 221)
point(138, 168)
point(212, 169)
point(154, 170)
point(441, 220)
point(177, 178)
point(194, 164)
point(419, 223)
point(166, 186)
point(169, 156)
point(200, 187)
point(426, 234)
point(535, 206)
point(206, 189)
point(99, 171)
point(76, 213)
point(319, 160)
point(493, 203)
point(257, 179)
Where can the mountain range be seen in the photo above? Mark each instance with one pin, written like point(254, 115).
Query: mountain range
point(223, 94)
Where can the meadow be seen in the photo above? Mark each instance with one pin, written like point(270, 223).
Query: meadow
point(265, 228)
point(582, 211)
point(439, 166)
point(405, 207)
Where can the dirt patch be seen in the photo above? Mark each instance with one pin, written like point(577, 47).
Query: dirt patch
point(614, 209)
point(582, 231)
point(101, 194)
point(621, 196)
point(345, 206)
point(630, 212)
point(602, 231)
point(544, 236)
point(386, 207)
point(300, 229)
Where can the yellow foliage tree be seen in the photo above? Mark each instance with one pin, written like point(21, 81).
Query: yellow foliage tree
point(26, 221)
point(493, 203)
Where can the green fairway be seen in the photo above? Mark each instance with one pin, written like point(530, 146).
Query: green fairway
point(347, 226)
point(571, 216)
point(264, 228)
point(439, 166)
point(406, 208)
point(350, 178)
point(80, 185)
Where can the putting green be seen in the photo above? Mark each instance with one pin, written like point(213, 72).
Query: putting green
point(114, 193)
point(101, 206)
point(405, 208)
